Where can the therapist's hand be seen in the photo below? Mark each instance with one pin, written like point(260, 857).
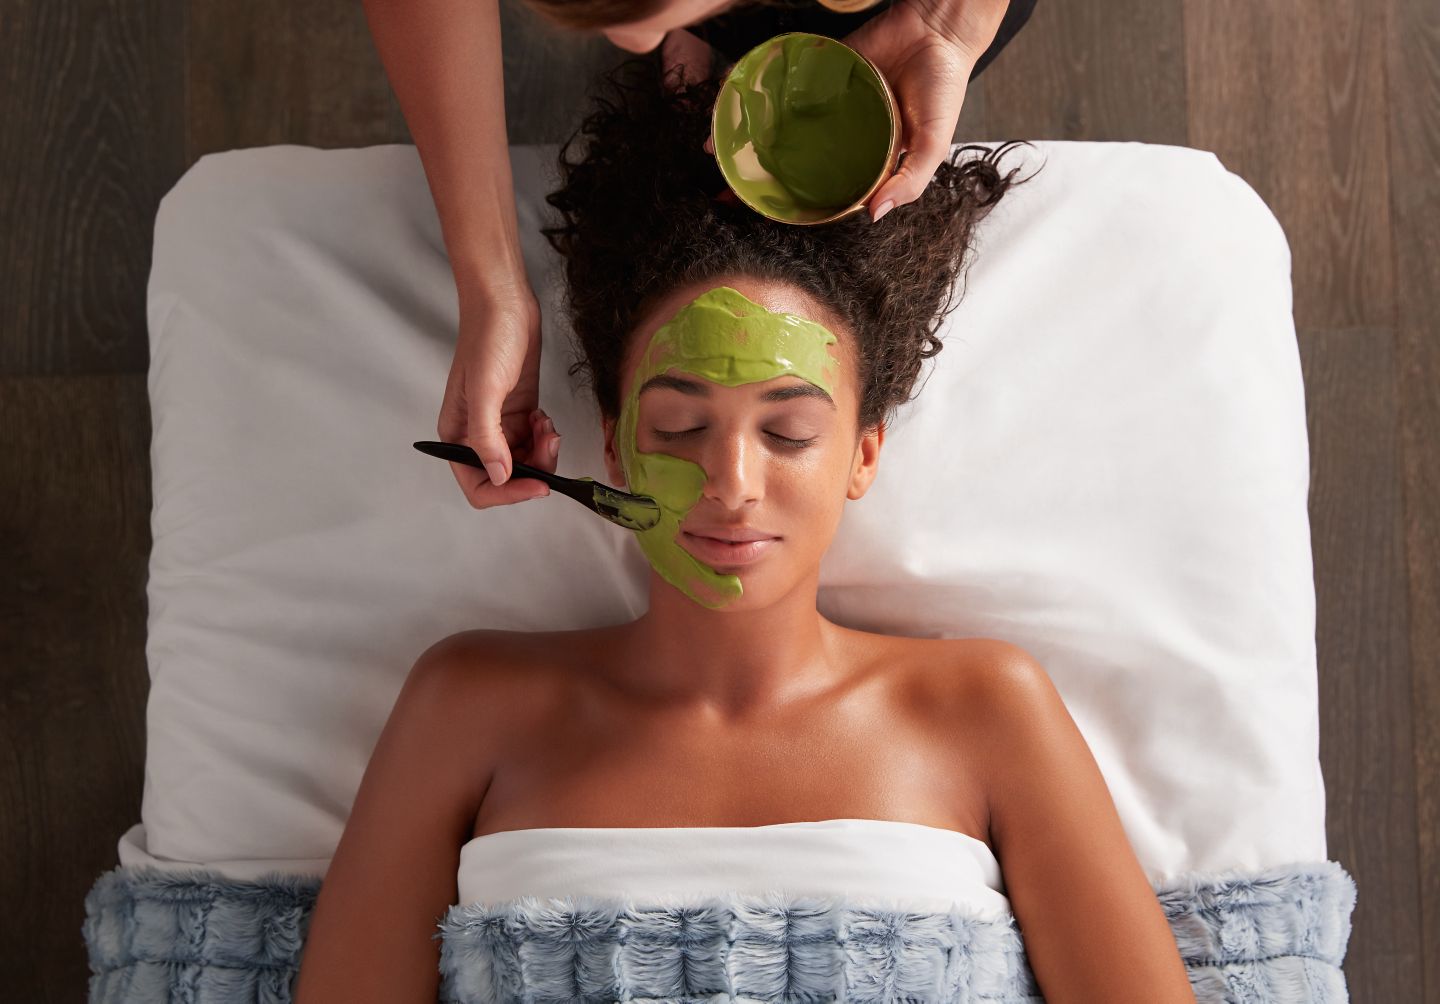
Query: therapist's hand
point(926, 50)
point(492, 398)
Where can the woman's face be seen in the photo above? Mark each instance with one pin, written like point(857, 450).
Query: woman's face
point(739, 414)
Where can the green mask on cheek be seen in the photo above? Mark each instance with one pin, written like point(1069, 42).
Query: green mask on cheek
point(728, 339)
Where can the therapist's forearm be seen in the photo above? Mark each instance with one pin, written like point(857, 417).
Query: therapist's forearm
point(443, 61)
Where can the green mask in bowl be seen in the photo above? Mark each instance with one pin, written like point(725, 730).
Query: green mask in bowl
point(805, 129)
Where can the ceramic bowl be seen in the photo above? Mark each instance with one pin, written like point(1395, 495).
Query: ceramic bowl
point(728, 133)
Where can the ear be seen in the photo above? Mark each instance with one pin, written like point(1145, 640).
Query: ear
point(867, 462)
point(613, 468)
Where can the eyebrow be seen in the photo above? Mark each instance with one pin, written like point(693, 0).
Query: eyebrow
point(697, 389)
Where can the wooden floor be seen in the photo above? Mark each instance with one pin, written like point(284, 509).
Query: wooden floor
point(1329, 108)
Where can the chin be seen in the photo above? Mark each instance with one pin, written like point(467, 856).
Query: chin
point(759, 590)
point(763, 580)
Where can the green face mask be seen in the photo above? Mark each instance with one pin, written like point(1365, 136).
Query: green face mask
point(728, 339)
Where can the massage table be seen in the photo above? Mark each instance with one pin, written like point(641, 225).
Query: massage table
point(1120, 410)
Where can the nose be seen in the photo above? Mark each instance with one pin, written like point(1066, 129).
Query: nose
point(634, 40)
point(734, 477)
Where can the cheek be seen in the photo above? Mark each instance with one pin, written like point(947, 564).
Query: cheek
point(813, 488)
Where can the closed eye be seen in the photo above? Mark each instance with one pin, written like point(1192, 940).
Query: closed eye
point(671, 436)
point(797, 444)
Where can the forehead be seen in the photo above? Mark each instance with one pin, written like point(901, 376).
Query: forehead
point(775, 296)
point(798, 347)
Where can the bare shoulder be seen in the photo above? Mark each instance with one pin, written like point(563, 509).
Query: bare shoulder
point(977, 693)
point(1093, 927)
point(1018, 708)
point(399, 853)
point(1010, 680)
point(979, 676)
point(475, 659)
point(471, 675)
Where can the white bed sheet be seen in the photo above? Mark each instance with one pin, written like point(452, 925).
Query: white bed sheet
point(1107, 465)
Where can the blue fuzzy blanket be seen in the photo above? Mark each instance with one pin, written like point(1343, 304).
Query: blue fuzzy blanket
point(1268, 937)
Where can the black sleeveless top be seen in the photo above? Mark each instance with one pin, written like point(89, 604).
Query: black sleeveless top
point(735, 32)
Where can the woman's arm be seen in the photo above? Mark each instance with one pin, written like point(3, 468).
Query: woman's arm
point(393, 875)
point(1092, 924)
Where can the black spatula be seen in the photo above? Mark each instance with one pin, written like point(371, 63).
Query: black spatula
point(633, 512)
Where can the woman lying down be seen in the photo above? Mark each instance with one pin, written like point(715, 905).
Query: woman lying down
point(732, 797)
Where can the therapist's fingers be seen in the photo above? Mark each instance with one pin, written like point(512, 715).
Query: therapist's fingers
point(916, 171)
point(928, 71)
point(540, 449)
point(544, 451)
point(930, 83)
point(491, 396)
point(475, 483)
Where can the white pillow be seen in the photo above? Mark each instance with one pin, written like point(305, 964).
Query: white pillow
point(1107, 465)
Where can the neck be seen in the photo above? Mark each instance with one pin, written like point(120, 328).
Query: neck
point(731, 662)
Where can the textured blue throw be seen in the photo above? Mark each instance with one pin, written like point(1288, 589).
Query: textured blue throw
point(1268, 937)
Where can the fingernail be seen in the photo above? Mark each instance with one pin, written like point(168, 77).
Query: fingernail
point(881, 210)
point(496, 472)
point(555, 447)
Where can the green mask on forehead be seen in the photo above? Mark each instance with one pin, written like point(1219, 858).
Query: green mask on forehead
point(728, 339)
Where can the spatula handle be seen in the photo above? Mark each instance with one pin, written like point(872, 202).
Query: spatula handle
point(461, 454)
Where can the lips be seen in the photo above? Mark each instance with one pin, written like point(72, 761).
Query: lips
point(733, 534)
point(728, 548)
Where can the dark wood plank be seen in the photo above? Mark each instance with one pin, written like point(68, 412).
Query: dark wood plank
point(1413, 66)
point(74, 543)
point(974, 123)
point(1091, 70)
point(1291, 96)
point(90, 96)
point(1366, 742)
point(548, 73)
point(269, 71)
point(274, 72)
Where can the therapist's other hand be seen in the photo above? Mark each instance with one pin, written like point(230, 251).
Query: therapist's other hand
point(926, 50)
point(492, 397)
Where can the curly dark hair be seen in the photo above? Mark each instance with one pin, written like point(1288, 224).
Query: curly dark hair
point(640, 218)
